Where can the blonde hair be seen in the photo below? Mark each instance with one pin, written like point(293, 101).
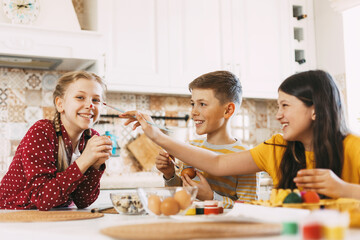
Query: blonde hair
point(62, 85)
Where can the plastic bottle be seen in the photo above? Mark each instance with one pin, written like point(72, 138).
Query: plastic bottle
point(113, 139)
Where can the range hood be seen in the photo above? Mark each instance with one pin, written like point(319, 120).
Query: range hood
point(48, 49)
point(28, 62)
point(52, 42)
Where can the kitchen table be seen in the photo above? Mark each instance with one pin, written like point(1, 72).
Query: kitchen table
point(90, 229)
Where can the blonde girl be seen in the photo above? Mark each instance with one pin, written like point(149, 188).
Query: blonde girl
point(60, 162)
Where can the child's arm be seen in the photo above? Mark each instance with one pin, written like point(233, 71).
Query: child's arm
point(97, 148)
point(218, 165)
point(88, 190)
point(46, 188)
point(164, 165)
point(227, 202)
point(205, 192)
point(96, 152)
point(326, 182)
point(352, 190)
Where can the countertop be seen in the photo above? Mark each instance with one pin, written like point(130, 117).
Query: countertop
point(90, 229)
point(131, 180)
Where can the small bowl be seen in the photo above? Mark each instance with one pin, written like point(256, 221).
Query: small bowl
point(166, 201)
point(127, 202)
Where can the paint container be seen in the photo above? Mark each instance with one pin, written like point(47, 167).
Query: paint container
point(211, 207)
point(199, 208)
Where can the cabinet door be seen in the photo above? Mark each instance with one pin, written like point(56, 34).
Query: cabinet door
point(198, 33)
point(159, 46)
point(264, 44)
point(138, 60)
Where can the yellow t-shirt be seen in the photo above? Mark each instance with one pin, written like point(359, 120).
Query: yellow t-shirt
point(268, 158)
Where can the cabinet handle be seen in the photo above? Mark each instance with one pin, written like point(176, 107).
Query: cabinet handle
point(301, 16)
point(301, 61)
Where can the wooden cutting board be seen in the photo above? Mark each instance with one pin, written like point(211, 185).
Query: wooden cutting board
point(46, 216)
point(191, 230)
point(145, 151)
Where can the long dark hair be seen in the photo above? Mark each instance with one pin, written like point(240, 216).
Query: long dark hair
point(315, 88)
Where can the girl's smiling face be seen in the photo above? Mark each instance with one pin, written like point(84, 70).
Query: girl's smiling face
point(80, 105)
point(296, 119)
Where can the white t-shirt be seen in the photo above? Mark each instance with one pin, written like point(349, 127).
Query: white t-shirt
point(76, 154)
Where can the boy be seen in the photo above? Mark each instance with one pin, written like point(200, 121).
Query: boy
point(215, 97)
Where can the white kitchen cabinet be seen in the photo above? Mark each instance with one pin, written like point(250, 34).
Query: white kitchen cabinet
point(199, 35)
point(137, 44)
point(159, 46)
point(251, 38)
point(264, 46)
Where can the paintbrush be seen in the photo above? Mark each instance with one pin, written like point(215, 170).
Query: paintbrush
point(122, 111)
point(173, 161)
point(98, 210)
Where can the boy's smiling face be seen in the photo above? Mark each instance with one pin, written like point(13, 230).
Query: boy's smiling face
point(207, 112)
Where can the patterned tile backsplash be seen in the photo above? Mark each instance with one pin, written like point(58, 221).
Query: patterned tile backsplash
point(26, 96)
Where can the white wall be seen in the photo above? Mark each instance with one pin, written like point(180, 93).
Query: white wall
point(351, 19)
point(329, 38)
point(54, 14)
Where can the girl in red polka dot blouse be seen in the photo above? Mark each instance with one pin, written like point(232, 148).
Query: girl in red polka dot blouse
point(60, 162)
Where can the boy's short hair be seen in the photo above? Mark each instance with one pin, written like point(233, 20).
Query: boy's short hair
point(226, 86)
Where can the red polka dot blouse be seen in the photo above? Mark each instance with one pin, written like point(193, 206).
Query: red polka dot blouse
point(32, 181)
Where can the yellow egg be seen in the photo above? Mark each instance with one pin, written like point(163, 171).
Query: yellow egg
point(183, 198)
point(154, 204)
point(169, 206)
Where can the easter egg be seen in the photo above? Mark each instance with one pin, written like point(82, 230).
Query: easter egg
point(169, 206)
point(310, 197)
point(292, 198)
point(154, 204)
point(302, 193)
point(281, 195)
point(183, 198)
point(190, 171)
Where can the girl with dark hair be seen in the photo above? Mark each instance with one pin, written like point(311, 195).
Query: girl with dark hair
point(60, 162)
point(315, 152)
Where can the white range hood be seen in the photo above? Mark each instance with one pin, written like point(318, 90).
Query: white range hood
point(53, 41)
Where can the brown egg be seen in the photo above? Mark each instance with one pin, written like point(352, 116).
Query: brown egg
point(183, 198)
point(190, 171)
point(154, 204)
point(169, 206)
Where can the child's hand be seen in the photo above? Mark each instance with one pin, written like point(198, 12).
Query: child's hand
point(140, 120)
point(98, 147)
point(204, 190)
point(164, 164)
point(323, 181)
point(99, 162)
